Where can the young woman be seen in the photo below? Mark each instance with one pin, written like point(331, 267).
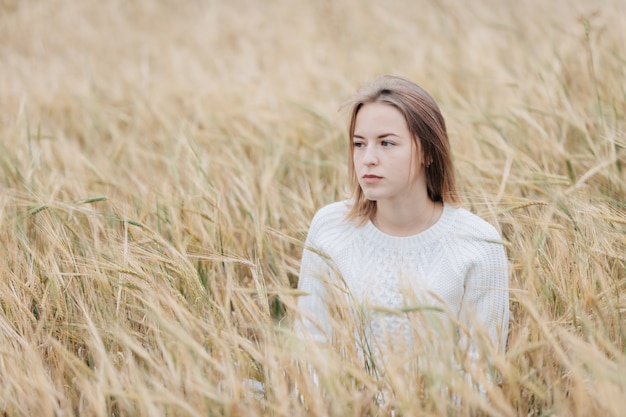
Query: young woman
point(402, 245)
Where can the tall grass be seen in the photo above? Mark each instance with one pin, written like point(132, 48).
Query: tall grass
point(160, 163)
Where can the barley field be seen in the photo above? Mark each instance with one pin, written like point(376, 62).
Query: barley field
point(160, 162)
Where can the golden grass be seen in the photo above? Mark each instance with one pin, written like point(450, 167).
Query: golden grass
point(160, 163)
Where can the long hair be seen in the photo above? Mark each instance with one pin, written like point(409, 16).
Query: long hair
point(428, 129)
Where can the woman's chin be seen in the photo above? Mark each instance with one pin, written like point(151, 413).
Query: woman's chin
point(371, 198)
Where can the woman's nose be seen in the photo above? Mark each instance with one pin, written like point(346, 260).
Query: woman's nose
point(370, 158)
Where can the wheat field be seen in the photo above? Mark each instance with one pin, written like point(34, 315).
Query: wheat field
point(160, 162)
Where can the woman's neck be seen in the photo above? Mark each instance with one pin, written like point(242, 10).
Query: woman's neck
point(408, 219)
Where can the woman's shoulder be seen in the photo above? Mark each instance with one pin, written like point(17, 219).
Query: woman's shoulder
point(476, 241)
point(330, 221)
point(473, 226)
point(331, 215)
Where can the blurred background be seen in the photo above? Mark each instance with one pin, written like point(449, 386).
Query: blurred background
point(160, 162)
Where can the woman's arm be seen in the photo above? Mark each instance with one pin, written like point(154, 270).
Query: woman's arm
point(314, 321)
point(485, 302)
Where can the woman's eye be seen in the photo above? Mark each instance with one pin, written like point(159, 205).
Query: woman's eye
point(358, 144)
point(386, 143)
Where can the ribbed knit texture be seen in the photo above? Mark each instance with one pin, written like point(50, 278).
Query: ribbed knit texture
point(456, 264)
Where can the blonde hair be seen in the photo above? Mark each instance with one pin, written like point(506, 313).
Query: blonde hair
point(428, 128)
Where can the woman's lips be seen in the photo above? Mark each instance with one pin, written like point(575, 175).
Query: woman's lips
point(371, 179)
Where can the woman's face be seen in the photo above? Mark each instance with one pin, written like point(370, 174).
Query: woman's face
point(386, 160)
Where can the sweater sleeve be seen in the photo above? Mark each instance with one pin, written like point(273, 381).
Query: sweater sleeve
point(314, 321)
point(486, 297)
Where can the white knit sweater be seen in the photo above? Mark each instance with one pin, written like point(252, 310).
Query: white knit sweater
point(457, 264)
